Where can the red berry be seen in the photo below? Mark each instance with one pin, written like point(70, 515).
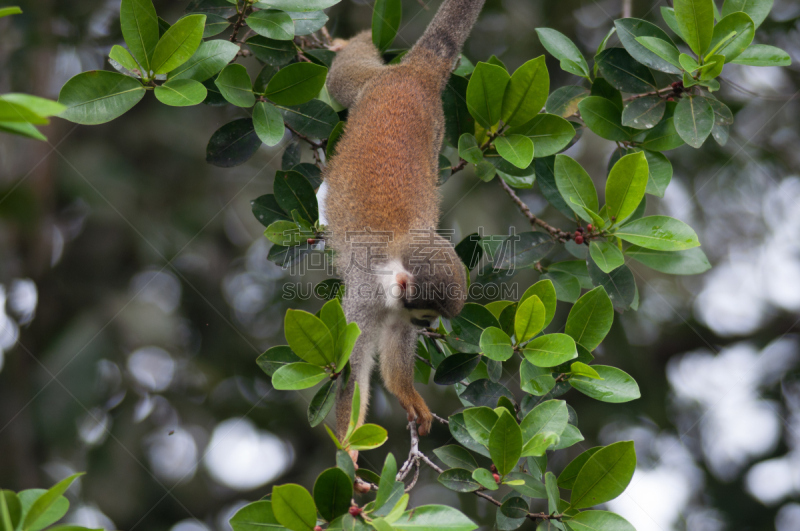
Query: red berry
point(670, 99)
point(496, 477)
point(311, 241)
point(579, 239)
point(317, 528)
point(493, 468)
point(589, 227)
point(355, 511)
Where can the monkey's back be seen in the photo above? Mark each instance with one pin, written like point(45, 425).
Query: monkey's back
point(384, 175)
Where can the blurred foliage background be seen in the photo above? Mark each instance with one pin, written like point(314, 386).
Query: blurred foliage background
point(135, 295)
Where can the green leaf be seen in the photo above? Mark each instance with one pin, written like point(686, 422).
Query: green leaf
point(496, 344)
point(615, 387)
point(664, 50)
point(334, 138)
point(485, 92)
point(346, 344)
point(468, 149)
point(98, 96)
point(660, 173)
point(563, 49)
point(606, 255)
point(387, 481)
point(181, 92)
point(271, 51)
point(268, 123)
point(516, 149)
point(457, 119)
point(526, 93)
point(722, 44)
point(529, 319)
point(564, 101)
point(581, 369)
point(551, 416)
point(531, 486)
point(294, 507)
point(619, 284)
point(604, 118)
point(333, 491)
point(485, 171)
point(322, 403)
point(295, 376)
point(663, 137)
point(635, 34)
point(434, 518)
point(178, 44)
point(455, 368)
point(367, 437)
point(550, 350)
point(515, 507)
point(272, 24)
point(546, 291)
point(10, 507)
point(550, 134)
point(593, 520)
point(458, 430)
point(576, 268)
point(8, 11)
point(459, 480)
point(479, 422)
point(457, 457)
point(566, 480)
point(22, 129)
point(315, 118)
point(235, 85)
point(37, 514)
point(688, 262)
point(139, 24)
point(308, 337)
point(469, 325)
point(668, 14)
point(644, 113)
point(623, 72)
point(567, 286)
point(309, 22)
point(301, 5)
point(215, 25)
point(524, 250)
point(626, 185)
point(605, 475)
point(124, 59)
point(505, 443)
point(694, 119)
point(275, 358)
point(386, 17)
point(757, 9)
point(590, 318)
point(255, 517)
point(661, 233)
point(695, 19)
point(233, 144)
point(553, 496)
point(294, 192)
point(763, 55)
point(210, 58)
point(18, 111)
point(575, 186)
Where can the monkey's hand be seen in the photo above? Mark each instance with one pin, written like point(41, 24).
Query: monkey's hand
point(337, 45)
point(418, 410)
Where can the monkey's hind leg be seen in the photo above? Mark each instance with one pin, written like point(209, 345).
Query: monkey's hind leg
point(398, 349)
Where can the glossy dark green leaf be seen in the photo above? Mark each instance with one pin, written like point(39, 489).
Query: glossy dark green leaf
point(255, 517)
point(386, 17)
point(662, 49)
point(756, 9)
point(575, 186)
point(524, 249)
point(545, 177)
point(315, 119)
point(458, 430)
point(469, 250)
point(591, 318)
point(308, 337)
point(553, 496)
point(526, 93)
point(215, 25)
point(623, 72)
point(660, 173)
point(139, 24)
point(688, 262)
point(737, 23)
point(763, 55)
point(604, 118)
point(275, 358)
point(271, 51)
point(333, 491)
point(694, 119)
point(615, 387)
point(567, 286)
point(479, 422)
point(294, 192)
point(457, 457)
point(272, 23)
point(294, 507)
point(604, 476)
point(606, 256)
point(550, 134)
point(566, 479)
point(505, 443)
point(210, 58)
point(434, 518)
point(661, 233)
point(604, 89)
point(267, 210)
point(457, 119)
point(576, 268)
point(516, 149)
point(468, 149)
point(485, 393)
point(664, 137)
point(459, 480)
point(233, 144)
point(495, 344)
point(178, 44)
point(563, 49)
point(695, 19)
point(619, 284)
point(268, 123)
point(296, 83)
point(605, 520)
point(529, 319)
point(485, 92)
point(550, 350)
point(644, 113)
point(181, 92)
point(235, 86)
point(301, 5)
point(99, 96)
point(468, 327)
point(631, 29)
point(308, 22)
point(626, 185)
point(564, 100)
point(455, 368)
point(322, 403)
point(515, 507)
point(296, 376)
point(367, 437)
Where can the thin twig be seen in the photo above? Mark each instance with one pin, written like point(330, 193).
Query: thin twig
point(426, 362)
point(658, 92)
point(458, 167)
point(555, 232)
point(440, 419)
point(313, 143)
point(430, 333)
point(239, 22)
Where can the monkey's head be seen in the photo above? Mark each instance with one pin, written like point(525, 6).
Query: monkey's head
point(430, 284)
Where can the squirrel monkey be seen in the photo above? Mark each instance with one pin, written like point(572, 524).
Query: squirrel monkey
point(382, 204)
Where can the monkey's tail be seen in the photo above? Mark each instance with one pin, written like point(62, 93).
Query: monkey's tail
point(446, 33)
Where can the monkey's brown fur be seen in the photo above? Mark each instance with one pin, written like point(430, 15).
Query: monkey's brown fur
point(384, 177)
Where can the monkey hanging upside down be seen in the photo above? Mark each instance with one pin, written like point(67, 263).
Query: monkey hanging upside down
point(382, 204)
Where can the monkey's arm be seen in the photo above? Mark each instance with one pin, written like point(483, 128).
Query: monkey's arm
point(353, 67)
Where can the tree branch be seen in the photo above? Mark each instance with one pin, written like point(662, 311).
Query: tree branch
point(555, 232)
point(239, 22)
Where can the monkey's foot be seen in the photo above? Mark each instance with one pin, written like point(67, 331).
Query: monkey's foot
point(422, 415)
point(337, 45)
